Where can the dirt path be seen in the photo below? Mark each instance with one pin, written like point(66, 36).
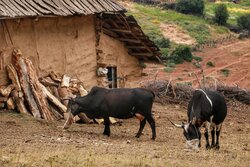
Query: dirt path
point(232, 56)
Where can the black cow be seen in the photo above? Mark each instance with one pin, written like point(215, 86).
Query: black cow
point(120, 103)
point(206, 108)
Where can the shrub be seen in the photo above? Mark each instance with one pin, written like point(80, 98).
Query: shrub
point(221, 14)
point(210, 64)
point(195, 7)
point(225, 72)
point(244, 22)
point(168, 5)
point(164, 53)
point(170, 64)
point(182, 53)
point(162, 42)
point(168, 69)
point(197, 58)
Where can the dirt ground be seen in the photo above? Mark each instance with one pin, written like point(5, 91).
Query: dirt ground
point(232, 56)
point(25, 141)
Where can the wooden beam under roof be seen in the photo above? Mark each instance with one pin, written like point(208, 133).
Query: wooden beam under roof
point(129, 40)
point(120, 30)
point(141, 54)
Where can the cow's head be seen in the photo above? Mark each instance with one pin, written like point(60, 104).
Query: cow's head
point(191, 133)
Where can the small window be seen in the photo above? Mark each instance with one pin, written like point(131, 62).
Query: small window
point(112, 77)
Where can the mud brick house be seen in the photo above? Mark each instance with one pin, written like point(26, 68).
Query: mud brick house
point(76, 37)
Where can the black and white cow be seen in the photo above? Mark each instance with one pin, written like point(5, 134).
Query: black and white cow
point(120, 103)
point(208, 109)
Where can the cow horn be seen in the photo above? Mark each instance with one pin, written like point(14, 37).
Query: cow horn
point(176, 125)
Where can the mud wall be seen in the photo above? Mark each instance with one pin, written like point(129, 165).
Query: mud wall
point(113, 53)
point(60, 44)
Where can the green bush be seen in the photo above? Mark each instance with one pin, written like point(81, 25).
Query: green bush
point(221, 14)
point(195, 7)
point(162, 42)
point(197, 58)
point(244, 22)
point(164, 53)
point(168, 69)
point(182, 53)
point(210, 64)
point(225, 72)
point(170, 64)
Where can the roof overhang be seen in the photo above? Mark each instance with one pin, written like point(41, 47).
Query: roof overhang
point(126, 29)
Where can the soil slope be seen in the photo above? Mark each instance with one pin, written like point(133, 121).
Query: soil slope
point(231, 57)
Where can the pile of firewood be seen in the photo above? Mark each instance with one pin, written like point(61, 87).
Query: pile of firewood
point(44, 97)
point(166, 92)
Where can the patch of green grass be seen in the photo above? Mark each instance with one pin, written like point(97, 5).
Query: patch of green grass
point(150, 18)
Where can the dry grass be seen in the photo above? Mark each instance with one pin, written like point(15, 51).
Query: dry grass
point(26, 142)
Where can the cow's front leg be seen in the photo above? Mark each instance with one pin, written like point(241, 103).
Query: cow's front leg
point(218, 129)
point(107, 127)
point(212, 134)
point(142, 125)
point(207, 129)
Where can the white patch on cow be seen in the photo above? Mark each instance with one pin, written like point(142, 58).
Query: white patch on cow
point(218, 127)
point(193, 144)
point(207, 126)
point(210, 101)
point(212, 124)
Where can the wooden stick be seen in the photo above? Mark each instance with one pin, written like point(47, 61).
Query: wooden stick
point(53, 99)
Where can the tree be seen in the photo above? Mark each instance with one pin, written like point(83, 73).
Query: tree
point(221, 14)
point(195, 7)
point(244, 22)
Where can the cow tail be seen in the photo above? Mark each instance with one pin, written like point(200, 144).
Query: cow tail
point(153, 94)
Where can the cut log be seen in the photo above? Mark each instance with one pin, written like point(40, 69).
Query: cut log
point(55, 77)
point(53, 99)
point(54, 91)
point(22, 71)
point(12, 73)
point(19, 102)
point(17, 93)
point(65, 81)
point(111, 120)
point(5, 91)
point(36, 89)
point(48, 82)
point(82, 91)
point(84, 118)
point(10, 104)
point(3, 99)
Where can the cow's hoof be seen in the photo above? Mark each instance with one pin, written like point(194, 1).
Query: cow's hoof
point(106, 134)
point(138, 135)
point(216, 147)
point(208, 147)
point(153, 138)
